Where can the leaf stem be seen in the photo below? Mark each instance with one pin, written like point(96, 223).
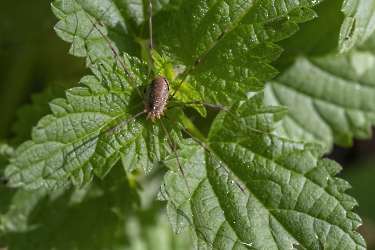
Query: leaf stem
point(193, 130)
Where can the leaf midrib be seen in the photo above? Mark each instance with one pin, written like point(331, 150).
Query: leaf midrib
point(64, 145)
point(237, 145)
point(235, 24)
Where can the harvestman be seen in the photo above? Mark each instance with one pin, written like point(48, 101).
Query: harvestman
point(155, 101)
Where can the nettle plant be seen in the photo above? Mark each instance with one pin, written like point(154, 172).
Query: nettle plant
point(250, 184)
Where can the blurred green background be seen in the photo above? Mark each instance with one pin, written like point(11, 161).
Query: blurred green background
point(35, 67)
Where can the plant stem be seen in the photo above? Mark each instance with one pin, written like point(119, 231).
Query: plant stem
point(193, 130)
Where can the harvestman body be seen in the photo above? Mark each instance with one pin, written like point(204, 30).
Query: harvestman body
point(157, 97)
point(155, 105)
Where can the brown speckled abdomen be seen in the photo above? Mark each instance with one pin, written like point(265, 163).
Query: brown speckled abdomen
point(157, 97)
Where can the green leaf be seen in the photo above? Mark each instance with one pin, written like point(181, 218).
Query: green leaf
point(358, 24)
point(186, 92)
point(71, 145)
point(75, 28)
point(124, 23)
point(6, 152)
point(288, 188)
point(161, 11)
point(315, 38)
point(66, 219)
point(330, 98)
point(71, 142)
point(238, 62)
point(241, 57)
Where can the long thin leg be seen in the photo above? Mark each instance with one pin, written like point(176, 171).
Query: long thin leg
point(118, 58)
point(150, 46)
point(122, 123)
point(74, 155)
point(228, 173)
point(183, 175)
point(208, 50)
point(226, 110)
point(91, 145)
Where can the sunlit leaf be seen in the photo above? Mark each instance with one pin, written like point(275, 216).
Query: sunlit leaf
point(358, 25)
point(285, 183)
point(290, 193)
point(238, 62)
point(71, 142)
